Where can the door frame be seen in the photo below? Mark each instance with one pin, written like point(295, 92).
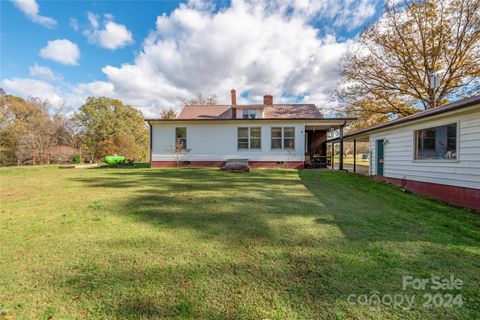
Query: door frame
point(379, 160)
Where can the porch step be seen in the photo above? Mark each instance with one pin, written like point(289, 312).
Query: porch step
point(236, 165)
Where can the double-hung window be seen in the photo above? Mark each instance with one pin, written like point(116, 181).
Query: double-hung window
point(283, 138)
point(180, 138)
point(276, 138)
point(289, 138)
point(249, 138)
point(437, 143)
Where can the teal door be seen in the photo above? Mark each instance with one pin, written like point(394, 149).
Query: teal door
point(380, 157)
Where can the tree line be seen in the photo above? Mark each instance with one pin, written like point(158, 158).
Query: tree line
point(386, 75)
point(32, 133)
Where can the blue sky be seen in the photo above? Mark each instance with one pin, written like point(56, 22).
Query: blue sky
point(19, 31)
point(150, 53)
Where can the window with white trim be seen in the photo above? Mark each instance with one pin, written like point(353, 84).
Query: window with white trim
point(276, 137)
point(289, 138)
point(283, 138)
point(437, 143)
point(249, 138)
point(180, 138)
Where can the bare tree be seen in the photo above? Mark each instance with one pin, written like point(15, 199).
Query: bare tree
point(290, 151)
point(200, 98)
point(179, 150)
point(30, 134)
point(387, 74)
point(168, 113)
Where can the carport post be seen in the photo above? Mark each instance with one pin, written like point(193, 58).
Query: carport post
point(340, 156)
point(354, 155)
point(332, 155)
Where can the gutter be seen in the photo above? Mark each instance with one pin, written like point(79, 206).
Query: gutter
point(257, 119)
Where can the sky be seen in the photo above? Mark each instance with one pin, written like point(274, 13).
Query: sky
point(151, 53)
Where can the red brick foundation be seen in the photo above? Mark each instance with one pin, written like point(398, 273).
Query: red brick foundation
point(275, 164)
point(460, 196)
point(173, 164)
point(252, 164)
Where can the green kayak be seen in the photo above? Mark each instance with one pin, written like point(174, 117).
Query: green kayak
point(111, 160)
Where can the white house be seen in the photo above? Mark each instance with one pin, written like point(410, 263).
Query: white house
point(435, 152)
point(267, 134)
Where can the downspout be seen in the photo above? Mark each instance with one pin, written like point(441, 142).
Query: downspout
point(354, 155)
point(151, 142)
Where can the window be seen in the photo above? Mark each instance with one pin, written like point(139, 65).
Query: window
point(255, 139)
point(283, 138)
point(276, 138)
point(249, 138)
point(289, 138)
point(180, 138)
point(438, 143)
point(249, 114)
point(242, 141)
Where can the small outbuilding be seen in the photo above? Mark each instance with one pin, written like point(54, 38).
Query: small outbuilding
point(434, 152)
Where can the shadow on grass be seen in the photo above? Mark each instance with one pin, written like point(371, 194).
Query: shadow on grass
point(136, 165)
point(270, 244)
point(240, 206)
point(376, 211)
point(303, 284)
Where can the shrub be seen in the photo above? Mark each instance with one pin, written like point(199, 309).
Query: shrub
point(77, 159)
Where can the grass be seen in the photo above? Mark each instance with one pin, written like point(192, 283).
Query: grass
point(349, 160)
point(142, 243)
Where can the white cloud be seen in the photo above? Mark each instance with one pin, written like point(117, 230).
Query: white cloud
point(93, 19)
point(354, 14)
point(247, 46)
point(95, 88)
point(31, 9)
point(349, 14)
point(74, 24)
point(62, 51)
point(27, 87)
point(255, 47)
point(112, 36)
point(44, 73)
point(60, 96)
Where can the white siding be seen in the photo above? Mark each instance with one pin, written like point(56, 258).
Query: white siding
point(218, 142)
point(399, 152)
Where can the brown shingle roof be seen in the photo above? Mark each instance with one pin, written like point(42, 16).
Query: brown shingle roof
point(205, 112)
point(292, 111)
point(276, 111)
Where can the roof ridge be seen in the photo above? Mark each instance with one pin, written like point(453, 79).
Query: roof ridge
point(252, 105)
point(280, 110)
point(207, 105)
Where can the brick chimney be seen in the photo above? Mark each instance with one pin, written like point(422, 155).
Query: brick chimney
point(234, 97)
point(268, 99)
point(234, 103)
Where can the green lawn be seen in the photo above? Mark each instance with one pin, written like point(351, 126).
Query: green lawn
point(204, 244)
point(349, 160)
